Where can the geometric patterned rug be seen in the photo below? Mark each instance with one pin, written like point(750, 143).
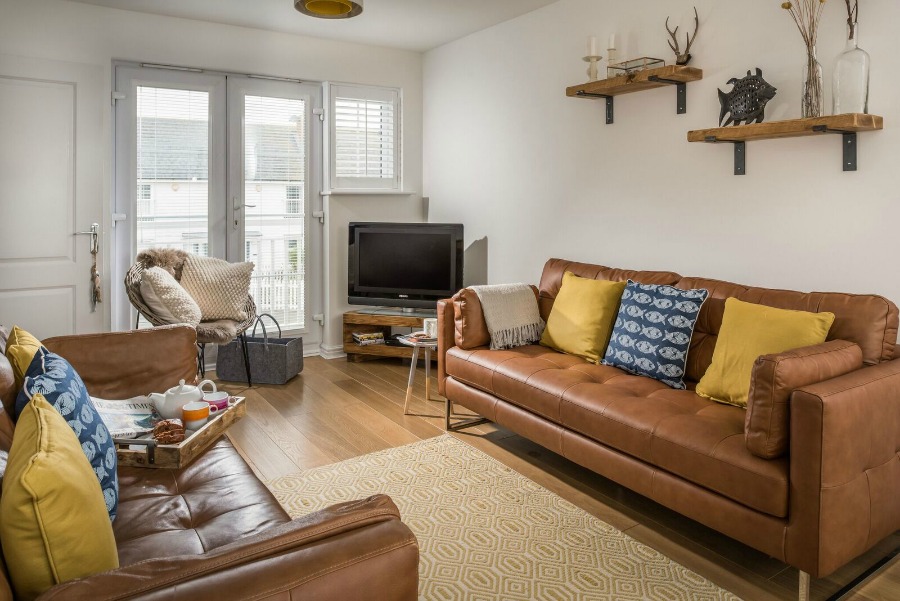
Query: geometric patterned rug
point(487, 532)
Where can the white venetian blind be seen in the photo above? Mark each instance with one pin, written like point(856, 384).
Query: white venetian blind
point(172, 168)
point(365, 138)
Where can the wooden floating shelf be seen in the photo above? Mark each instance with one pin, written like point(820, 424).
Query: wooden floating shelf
point(793, 128)
point(847, 125)
point(648, 79)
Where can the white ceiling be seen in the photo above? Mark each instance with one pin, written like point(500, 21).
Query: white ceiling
point(418, 25)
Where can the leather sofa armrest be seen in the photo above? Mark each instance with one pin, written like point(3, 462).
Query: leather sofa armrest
point(776, 376)
point(844, 467)
point(471, 329)
point(121, 365)
point(446, 340)
point(352, 550)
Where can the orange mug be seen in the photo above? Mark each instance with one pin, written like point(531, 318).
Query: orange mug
point(194, 415)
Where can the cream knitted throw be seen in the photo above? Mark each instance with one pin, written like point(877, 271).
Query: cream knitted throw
point(511, 314)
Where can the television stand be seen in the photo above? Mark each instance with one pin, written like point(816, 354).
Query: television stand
point(399, 312)
point(380, 320)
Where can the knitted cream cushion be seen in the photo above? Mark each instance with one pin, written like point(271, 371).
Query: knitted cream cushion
point(219, 287)
point(167, 299)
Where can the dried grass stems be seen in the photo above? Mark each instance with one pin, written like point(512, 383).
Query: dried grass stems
point(806, 14)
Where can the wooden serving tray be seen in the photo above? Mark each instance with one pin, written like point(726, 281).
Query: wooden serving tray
point(147, 453)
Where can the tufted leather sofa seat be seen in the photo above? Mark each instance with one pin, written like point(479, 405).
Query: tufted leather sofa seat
point(676, 430)
point(827, 499)
point(191, 511)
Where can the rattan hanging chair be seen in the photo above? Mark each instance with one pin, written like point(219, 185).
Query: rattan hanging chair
point(208, 332)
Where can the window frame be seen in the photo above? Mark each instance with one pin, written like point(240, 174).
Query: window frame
point(366, 185)
point(293, 205)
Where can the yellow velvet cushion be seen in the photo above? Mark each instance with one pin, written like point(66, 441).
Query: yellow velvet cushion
point(749, 331)
point(21, 347)
point(53, 521)
point(583, 316)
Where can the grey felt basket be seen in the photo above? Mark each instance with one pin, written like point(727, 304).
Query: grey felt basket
point(272, 360)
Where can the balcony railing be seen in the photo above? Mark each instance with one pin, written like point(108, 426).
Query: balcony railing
point(281, 294)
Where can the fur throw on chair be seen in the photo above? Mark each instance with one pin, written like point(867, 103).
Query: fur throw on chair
point(221, 331)
point(172, 260)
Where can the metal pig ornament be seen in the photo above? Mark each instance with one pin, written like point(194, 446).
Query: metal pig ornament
point(747, 99)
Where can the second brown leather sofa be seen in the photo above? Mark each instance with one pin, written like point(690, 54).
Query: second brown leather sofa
point(213, 530)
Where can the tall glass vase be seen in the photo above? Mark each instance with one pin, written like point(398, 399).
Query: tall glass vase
point(850, 91)
point(813, 92)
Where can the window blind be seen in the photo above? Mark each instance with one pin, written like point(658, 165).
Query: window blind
point(172, 131)
point(365, 138)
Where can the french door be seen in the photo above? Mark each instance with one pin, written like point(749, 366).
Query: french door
point(224, 166)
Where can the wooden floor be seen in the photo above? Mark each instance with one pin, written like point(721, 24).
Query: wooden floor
point(336, 410)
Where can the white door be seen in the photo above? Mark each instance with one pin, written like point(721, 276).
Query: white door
point(273, 180)
point(223, 166)
point(51, 169)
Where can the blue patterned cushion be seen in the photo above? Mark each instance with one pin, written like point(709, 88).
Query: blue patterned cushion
point(52, 376)
point(653, 329)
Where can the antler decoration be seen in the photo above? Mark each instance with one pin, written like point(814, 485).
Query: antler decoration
point(683, 58)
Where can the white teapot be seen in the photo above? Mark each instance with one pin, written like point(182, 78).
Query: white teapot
point(169, 405)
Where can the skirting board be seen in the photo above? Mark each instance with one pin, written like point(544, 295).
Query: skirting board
point(332, 351)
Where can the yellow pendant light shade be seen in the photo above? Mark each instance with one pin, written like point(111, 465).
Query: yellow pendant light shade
point(329, 9)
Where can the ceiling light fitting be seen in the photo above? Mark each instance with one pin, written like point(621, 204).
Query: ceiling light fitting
point(330, 9)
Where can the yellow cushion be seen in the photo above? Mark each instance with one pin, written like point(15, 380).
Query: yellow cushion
point(748, 331)
point(583, 316)
point(21, 348)
point(53, 521)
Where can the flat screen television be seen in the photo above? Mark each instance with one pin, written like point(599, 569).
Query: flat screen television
point(410, 265)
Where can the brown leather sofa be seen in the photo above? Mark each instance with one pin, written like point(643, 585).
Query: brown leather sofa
point(830, 497)
point(212, 530)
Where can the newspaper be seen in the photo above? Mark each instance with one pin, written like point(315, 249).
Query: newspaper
point(127, 419)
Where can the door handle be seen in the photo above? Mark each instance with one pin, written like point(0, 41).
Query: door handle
point(236, 206)
point(94, 233)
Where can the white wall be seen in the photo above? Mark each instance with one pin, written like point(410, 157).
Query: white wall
point(539, 174)
point(69, 31)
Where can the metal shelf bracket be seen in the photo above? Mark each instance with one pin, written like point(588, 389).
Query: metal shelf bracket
point(680, 92)
point(609, 103)
point(740, 153)
point(848, 142)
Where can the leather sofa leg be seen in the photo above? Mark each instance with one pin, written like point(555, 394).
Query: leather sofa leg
point(804, 586)
point(460, 425)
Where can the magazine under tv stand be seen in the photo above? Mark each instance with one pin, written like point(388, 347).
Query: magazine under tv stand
point(380, 319)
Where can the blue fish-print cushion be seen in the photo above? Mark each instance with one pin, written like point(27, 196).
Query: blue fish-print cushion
point(653, 329)
point(52, 376)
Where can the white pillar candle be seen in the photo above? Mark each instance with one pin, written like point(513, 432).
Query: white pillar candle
point(612, 40)
point(592, 46)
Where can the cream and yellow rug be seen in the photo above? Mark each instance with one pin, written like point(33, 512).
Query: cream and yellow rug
point(487, 532)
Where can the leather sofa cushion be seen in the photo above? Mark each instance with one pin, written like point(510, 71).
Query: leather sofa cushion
point(554, 269)
point(695, 438)
point(773, 380)
point(214, 501)
point(866, 319)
